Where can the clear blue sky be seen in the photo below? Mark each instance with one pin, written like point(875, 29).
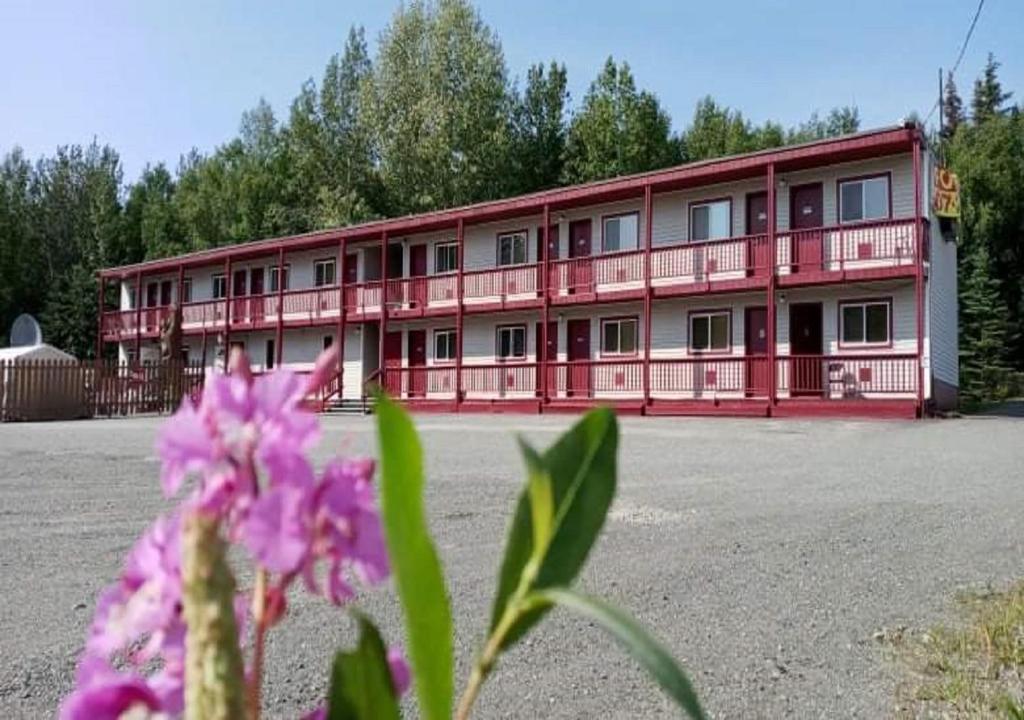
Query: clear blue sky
point(157, 78)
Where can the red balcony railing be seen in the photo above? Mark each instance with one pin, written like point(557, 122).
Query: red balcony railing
point(499, 380)
point(119, 323)
point(698, 262)
point(502, 282)
point(847, 376)
point(207, 313)
point(420, 382)
point(311, 304)
point(840, 247)
point(363, 297)
point(710, 376)
point(589, 378)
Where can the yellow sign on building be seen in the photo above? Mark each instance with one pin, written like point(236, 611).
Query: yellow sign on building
point(946, 198)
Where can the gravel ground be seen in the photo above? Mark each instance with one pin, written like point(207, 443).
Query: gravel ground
point(765, 553)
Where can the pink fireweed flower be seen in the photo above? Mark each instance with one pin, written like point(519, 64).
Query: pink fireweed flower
point(401, 675)
point(101, 693)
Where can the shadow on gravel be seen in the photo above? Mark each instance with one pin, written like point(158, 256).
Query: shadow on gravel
point(1008, 409)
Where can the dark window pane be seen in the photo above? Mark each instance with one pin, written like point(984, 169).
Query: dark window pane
point(519, 342)
point(701, 219)
point(627, 337)
point(851, 201)
point(853, 323)
point(876, 198)
point(878, 323)
point(611, 235)
point(699, 332)
point(610, 342)
point(719, 332)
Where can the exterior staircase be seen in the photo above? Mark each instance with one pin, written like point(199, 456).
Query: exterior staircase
point(349, 406)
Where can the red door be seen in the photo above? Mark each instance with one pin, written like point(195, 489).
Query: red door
point(393, 363)
point(417, 363)
point(418, 271)
point(551, 251)
point(806, 216)
point(756, 344)
point(152, 293)
point(351, 269)
point(256, 291)
point(580, 271)
point(806, 366)
point(238, 307)
point(578, 374)
point(758, 251)
point(550, 356)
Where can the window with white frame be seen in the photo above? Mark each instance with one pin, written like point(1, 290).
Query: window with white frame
point(446, 257)
point(864, 199)
point(186, 290)
point(323, 272)
point(709, 331)
point(619, 336)
point(275, 274)
point(865, 323)
point(512, 248)
point(444, 345)
point(511, 342)
point(711, 220)
point(621, 232)
point(220, 287)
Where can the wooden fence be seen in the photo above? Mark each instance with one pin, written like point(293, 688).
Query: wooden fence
point(59, 389)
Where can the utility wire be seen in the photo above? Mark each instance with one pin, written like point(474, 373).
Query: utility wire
point(960, 55)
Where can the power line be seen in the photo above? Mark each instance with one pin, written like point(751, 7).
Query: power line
point(960, 55)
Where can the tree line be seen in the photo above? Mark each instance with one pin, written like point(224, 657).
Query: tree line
point(431, 120)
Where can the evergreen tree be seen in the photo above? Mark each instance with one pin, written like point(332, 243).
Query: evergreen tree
point(539, 129)
point(152, 228)
point(989, 99)
point(618, 130)
point(952, 107)
point(983, 370)
point(839, 121)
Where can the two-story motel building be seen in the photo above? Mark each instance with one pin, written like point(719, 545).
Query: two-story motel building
point(659, 293)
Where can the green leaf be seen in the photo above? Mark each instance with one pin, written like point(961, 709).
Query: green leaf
point(581, 466)
point(651, 655)
point(361, 685)
point(415, 562)
point(541, 500)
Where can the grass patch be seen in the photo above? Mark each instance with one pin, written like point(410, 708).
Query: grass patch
point(974, 669)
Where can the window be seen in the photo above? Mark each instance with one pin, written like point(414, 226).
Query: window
point(220, 287)
point(864, 199)
point(444, 345)
point(268, 356)
point(186, 290)
point(709, 332)
point(512, 248)
point(621, 232)
point(323, 272)
point(183, 354)
point(328, 341)
point(711, 220)
point(446, 258)
point(273, 277)
point(865, 323)
point(618, 337)
point(511, 342)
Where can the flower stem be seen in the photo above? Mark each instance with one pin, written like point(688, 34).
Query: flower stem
point(259, 613)
point(214, 674)
point(485, 662)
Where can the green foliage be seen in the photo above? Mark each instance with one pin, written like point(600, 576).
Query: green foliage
point(982, 330)
point(989, 99)
point(539, 129)
point(618, 130)
point(952, 108)
point(69, 315)
point(416, 566)
point(361, 686)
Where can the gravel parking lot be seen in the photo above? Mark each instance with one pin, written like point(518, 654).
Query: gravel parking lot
point(765, 553)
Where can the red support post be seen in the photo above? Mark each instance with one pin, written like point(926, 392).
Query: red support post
point(383, 303)
point(919, 270)
point(459, 309)
point(279, 330)
point(227, 312)
point(179, 311)
point(770, 311)
point(138, 318)
point(542, 351)
point(101, 302)
point(648, 290)
point(340, 274)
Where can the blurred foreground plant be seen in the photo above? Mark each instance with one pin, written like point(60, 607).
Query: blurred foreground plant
point(168, 638)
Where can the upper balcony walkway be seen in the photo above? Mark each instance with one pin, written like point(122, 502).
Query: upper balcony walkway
point(820, 256)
